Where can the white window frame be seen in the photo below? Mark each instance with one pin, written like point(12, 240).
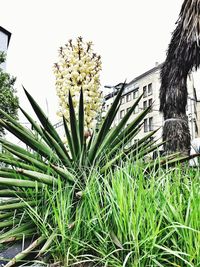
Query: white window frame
point(146, 125)
point(151, 124)
point(135, 93)
point(150, 89)
point(122, 100)
point(128, 97)
point(121, 113)
point(145, 104)
point(145, 91)
point(136, 110)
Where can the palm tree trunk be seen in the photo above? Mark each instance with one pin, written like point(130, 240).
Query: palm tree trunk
point(183, 54)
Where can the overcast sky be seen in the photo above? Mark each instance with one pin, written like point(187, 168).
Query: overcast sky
point(130, 36)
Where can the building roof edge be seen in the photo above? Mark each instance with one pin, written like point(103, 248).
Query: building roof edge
point(7, 33)
point(146, 73)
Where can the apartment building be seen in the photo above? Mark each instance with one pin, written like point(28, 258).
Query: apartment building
point(148, 84)
point(4, 42)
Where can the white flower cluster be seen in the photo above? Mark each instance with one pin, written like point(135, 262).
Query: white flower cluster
point(78, 67)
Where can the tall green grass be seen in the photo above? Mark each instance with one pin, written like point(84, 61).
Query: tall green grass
point(131, 217)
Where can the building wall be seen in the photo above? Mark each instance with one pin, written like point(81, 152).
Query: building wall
point(198, 117)
point(154, 120)
point(3, 45)
point(4, 41)
point(191, 109)
point(133, 90)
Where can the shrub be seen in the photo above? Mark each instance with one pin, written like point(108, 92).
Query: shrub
point(46, 184)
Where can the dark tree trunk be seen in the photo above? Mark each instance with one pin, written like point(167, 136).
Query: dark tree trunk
point(183, 54)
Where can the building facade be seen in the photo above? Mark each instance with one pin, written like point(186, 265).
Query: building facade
point(4, 42)
point(148, 84)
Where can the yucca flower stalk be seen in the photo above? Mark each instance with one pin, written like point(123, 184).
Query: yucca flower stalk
point(78, 69)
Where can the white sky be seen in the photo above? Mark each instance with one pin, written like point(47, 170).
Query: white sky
point(130, 36)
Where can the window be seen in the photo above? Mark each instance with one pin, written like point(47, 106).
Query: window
point(128, 109)
point(144, 105)
point(195, 110)
point(151, 139)
point(135, 94)
point(107, 106)
point(148, 124)
point(136, 110)
point(196, 127)
point(144, 91)
point(150, 103)
point(128, 97)
point(150, 91)
point(145, 125)
point(122, 100)
point(151, 124)
point(121, 114)
point(129, 144)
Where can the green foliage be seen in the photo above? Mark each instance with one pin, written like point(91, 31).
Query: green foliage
point(48, 184)
point(8, 100)
point(133, 220)
point(126, 218)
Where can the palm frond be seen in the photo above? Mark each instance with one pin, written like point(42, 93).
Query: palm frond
point(182, 56)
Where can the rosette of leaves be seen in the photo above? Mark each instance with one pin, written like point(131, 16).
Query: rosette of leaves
point(26, 174)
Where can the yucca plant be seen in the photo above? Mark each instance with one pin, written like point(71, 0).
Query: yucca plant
point(49, 165)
